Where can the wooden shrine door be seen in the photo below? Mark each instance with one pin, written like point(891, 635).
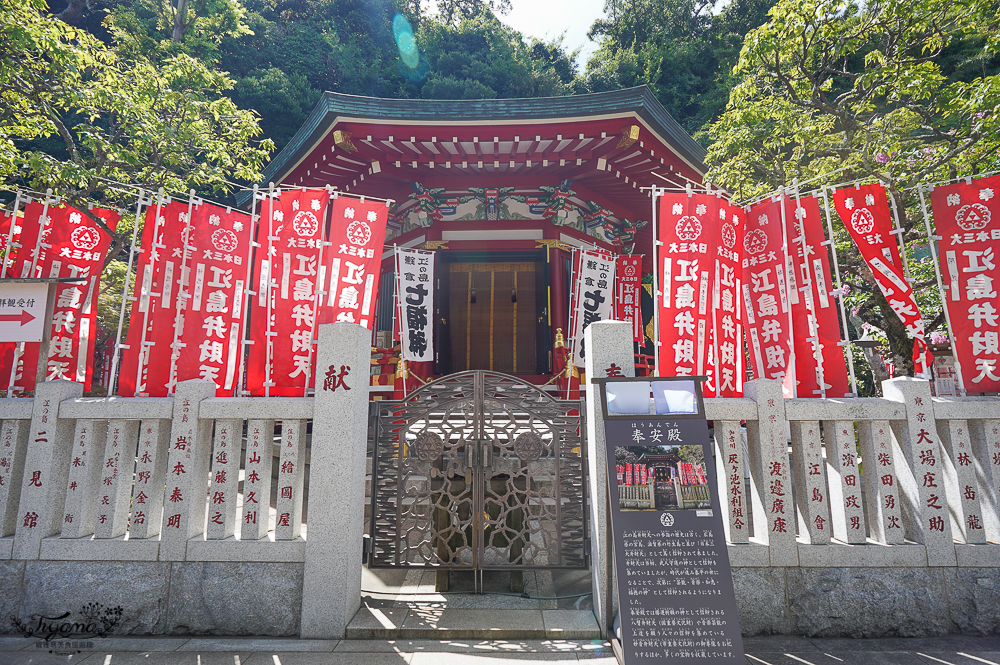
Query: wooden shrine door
point(504, 330)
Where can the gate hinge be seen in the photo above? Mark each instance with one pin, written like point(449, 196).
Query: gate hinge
point(586, 550)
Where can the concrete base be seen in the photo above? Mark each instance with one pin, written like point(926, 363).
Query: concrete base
point(264, 599)
point(431, 621)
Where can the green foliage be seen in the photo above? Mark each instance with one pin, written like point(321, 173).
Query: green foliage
point(116, 120)
point(680, 48)
point(481, 58)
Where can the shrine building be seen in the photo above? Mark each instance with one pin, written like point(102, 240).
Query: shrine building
point(503, 190)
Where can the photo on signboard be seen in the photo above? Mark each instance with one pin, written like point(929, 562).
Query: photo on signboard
point(662, 478)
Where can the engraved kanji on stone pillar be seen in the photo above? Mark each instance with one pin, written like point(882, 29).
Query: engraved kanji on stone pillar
point(83, 485)
point(811, 495)
point(13, 447)
point(257, 480)
point(768, 449)
point(116, 478)
point(291, 472)
point(986, 444)
point(226, 451)
point(185, 497)
point(885, 503)
point(921, 480)
point(150, 476)
point(730, 466)
point(958, 463)
point(847, 508)
point(46, 469)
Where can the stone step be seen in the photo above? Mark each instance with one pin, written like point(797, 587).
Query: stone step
point(433, 622)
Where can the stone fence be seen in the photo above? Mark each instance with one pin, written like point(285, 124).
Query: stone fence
point(844, 517)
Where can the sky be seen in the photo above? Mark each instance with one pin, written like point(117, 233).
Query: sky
point(547, 19)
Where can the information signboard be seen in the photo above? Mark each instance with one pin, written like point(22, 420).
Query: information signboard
point(675, 590)
point(22, 311)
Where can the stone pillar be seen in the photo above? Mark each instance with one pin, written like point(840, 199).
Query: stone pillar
point(257, 480)
point(150, 474)
point(225, 479)
point(13, 446)
point(46, 469)
point(811, 495)
point(729, 465)
point(774, 514)
point(961, 483)
point(922, 481)
point(846, 503)
point(291, 476)
point(608, 343)
point(882, 484)
point(986, 444)
point(331, 585)
point(83, 486)
point(116, 481)
point(185, 497)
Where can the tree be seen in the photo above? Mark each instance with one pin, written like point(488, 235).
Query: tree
point(117, 121)
point(902, 92)
point(681, 49)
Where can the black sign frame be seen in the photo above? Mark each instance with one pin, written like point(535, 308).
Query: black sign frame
point(676, 602)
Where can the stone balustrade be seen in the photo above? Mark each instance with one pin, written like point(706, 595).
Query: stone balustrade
point(907, 485)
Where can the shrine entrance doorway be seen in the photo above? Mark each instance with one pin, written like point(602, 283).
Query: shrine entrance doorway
point(479, 471)
point(494, 314)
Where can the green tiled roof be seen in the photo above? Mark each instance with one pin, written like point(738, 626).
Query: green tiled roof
point(332, 105)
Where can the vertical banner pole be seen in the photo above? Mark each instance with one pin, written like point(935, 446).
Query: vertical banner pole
point(397, 312)
point(126, 297)
point(10, 233)
point(267, 293)
point(898, 232)
point(182, 295)
point(790, 366)
point(160, 200)
point(42, 222)
point(846, 342)
point(248, 293)
point(931, 239)
point(657, 193)
point(807, 293)
point(6, 264)
point(319, 294)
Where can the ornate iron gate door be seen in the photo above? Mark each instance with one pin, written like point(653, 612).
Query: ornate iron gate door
point(479, 470)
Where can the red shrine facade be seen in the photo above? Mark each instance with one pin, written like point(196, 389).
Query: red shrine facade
point(503, 191)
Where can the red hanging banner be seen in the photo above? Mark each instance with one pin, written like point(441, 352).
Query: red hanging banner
point(820, 369)
point(156, 314)
point(354, 260)
point(727, 325)
point(865, 212)
point(766, 310)
point(967, 217)
point(71, 245)
point(688, 230)
point(283, 317)
point(627, 303)
point(218, 273)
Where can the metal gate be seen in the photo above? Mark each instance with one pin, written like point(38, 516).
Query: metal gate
point(479, 470)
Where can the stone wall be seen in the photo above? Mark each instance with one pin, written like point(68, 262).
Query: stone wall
point(868, 602)
point(160, 598)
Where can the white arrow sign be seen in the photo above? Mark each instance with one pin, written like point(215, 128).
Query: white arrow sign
point(22, 311)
